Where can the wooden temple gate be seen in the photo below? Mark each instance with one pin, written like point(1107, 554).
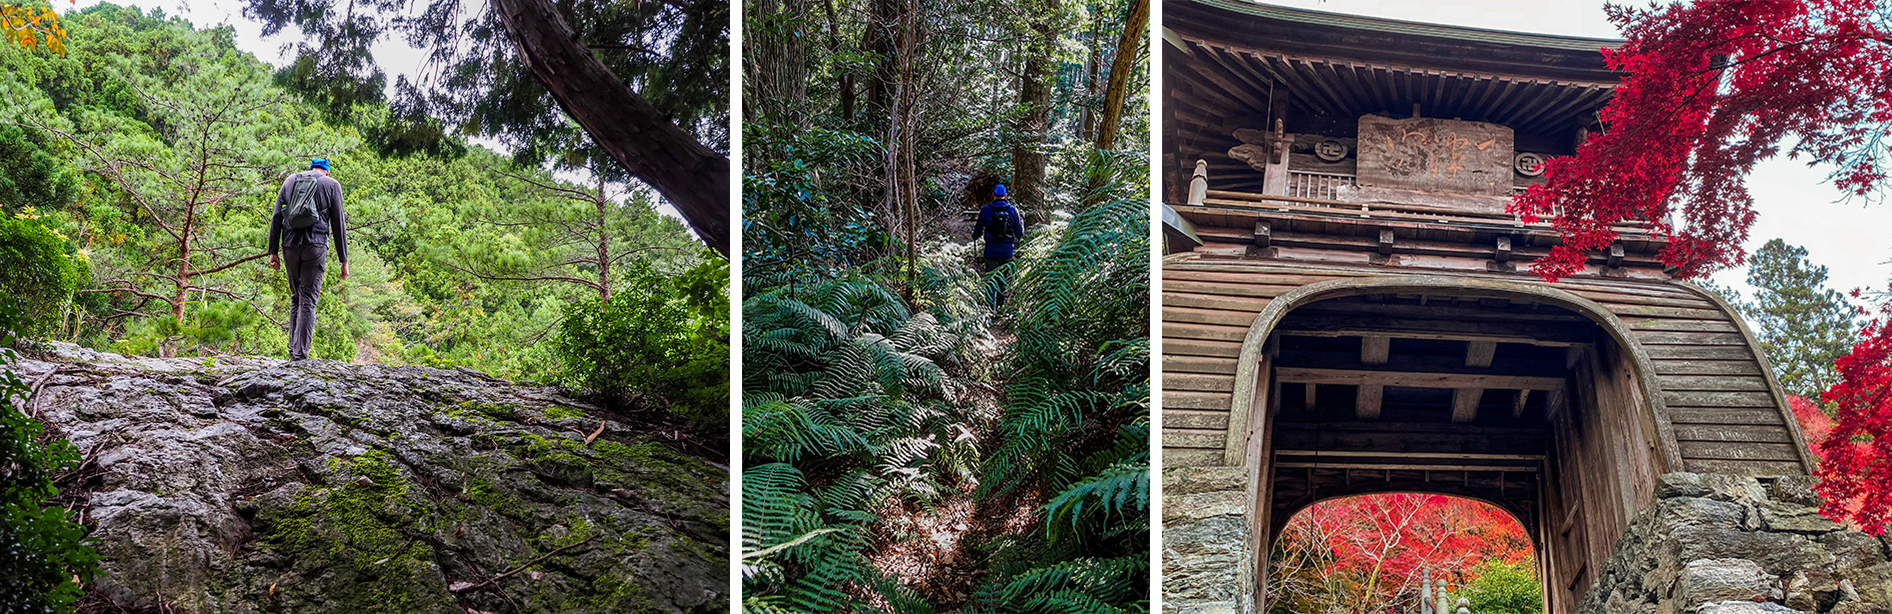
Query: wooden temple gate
point(1347, 308)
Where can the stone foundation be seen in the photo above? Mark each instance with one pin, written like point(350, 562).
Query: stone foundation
point(1709, 544)
point(1206, 560)
point(1719, 544)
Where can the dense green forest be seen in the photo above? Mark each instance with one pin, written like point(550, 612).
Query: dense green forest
point(153, 150)
point(907, 447)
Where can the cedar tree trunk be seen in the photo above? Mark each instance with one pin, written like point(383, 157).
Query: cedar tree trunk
point(650, 146)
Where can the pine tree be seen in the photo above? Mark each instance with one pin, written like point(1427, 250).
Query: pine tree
point(1802, 325)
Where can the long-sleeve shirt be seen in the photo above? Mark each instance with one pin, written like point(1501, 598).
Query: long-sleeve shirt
point(331, 220)
point(997, 246)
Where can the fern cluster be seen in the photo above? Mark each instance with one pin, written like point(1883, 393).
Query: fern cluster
point(1077, 420)
point(855, 399)
point(844, 408)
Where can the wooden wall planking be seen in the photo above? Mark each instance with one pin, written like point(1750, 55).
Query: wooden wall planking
point(1707, 373)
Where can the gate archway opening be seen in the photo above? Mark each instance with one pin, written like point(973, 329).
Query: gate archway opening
point(1387, 552)
point(1518, 395)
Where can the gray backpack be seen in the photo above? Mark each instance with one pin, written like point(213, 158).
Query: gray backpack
point(300, 213)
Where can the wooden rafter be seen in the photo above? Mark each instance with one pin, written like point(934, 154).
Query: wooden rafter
point(1415, 379)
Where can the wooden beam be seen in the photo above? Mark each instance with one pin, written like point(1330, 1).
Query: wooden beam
point(1503, 251)
point(1264, 234)
point(1448, 455)
point(1479, 353)
point(1375, 349)
point(1358, 306)
point(1415, 362)
point(1465, 404)
point(1414, 379)
point(1407, 467)
point(1366, 403)
point(1308, 397)
point(1616, 255)
point(1517, 407)
point(1545, 334)
point(1392, 438)
point(1386, 241)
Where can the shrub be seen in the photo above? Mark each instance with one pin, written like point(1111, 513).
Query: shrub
point(661, 339)
point(1505, 588)
point(37, 269)
point(42, 550)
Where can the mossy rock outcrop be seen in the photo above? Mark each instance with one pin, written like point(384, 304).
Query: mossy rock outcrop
point(254, 485)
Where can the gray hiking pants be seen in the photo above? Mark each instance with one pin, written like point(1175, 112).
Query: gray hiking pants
point(304, 264)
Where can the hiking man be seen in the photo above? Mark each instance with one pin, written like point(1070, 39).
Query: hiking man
point(308, 212)
point(1001, 226)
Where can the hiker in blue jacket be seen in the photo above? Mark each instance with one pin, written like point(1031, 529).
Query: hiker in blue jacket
point(1000, 224)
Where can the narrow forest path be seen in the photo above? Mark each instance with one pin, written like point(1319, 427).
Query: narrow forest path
point(942, 551)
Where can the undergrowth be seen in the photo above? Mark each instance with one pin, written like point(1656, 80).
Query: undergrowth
point(853, 398)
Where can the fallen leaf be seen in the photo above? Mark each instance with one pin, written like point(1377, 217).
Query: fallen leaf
point(364, 481)
point(383, 560)
point(536, 575)
point(460, 587)
point(459, 531)
point(272, 590)
point(595, 434)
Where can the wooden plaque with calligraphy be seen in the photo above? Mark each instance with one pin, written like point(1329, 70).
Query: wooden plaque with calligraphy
point(1435, 155)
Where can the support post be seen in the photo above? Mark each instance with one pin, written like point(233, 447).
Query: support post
point(1465, 404)
point(1275, 177)
point(1199, 183)
point(1480, 353)
point(1375, 349)
point(1366, 402)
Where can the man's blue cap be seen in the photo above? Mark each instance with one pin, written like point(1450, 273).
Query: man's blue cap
point(321, 163)
point(999, 191)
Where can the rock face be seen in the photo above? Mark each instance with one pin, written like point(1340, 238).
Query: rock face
point(1729, 544)
point(253, 485)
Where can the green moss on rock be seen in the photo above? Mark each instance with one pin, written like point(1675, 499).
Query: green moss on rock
point(364, 531)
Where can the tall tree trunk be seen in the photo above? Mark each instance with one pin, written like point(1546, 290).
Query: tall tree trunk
point(1090, 75)
point(877, 39)
point(778, 69)
point(183, 279)
point(847, 76)
point(902, 206)
point(1034, 98)
point(911, 103)
point(692, 177)
point(1120, 67)
point(604, 242)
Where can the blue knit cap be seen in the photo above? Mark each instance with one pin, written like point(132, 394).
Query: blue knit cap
point(999, 191)
point(321, 163)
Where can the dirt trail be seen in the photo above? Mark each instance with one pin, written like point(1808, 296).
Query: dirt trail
point(942, 551)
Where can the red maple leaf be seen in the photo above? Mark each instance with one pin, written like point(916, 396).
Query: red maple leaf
point(1856, 455)
point(1713, 87)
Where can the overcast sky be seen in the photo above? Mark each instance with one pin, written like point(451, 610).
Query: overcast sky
point(1795, 202)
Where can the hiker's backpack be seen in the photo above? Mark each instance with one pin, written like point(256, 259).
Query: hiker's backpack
point(300, 213)
point(1001, 225)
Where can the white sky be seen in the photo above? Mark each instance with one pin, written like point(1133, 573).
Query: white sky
point(393, 54)
point(1794, 202)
